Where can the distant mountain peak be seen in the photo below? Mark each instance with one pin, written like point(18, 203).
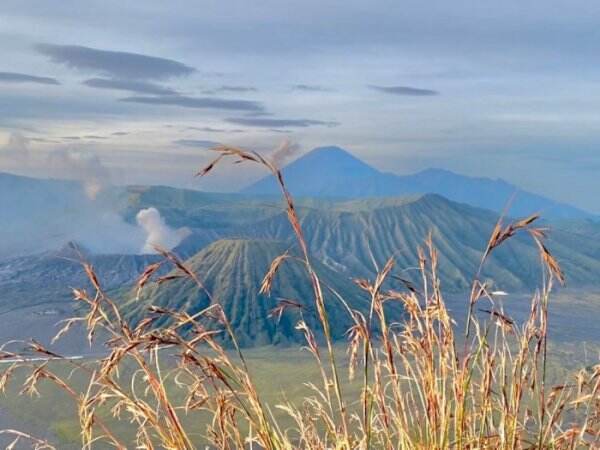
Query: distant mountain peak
point(331, 151)
point(330, 157)
point(333, 172)
point(322, 172)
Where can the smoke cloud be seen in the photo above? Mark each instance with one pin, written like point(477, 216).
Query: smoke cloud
point(46, 215)
point(158, 233)
point(61, 163)
point(84, 167)
point(282, 154)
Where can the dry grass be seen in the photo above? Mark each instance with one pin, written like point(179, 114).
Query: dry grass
point(422, 386)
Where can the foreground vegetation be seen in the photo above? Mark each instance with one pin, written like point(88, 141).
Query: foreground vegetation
point(419, 383)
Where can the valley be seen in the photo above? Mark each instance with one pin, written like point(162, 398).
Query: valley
point(574, 342)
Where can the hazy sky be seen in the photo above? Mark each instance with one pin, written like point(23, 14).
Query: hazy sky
point(135, 91)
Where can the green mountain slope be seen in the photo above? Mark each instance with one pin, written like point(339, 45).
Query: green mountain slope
point(349, 236)
point(196, 209)
point(232, 271)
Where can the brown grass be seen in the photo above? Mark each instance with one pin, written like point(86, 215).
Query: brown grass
point(422, 386)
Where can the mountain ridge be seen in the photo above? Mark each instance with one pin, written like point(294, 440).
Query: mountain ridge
point(332, 172)
point(49, 277)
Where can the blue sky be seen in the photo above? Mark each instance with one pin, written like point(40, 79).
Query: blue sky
point(135, 91)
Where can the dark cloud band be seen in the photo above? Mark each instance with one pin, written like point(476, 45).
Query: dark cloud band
point(199, 143)
point(121, 65)
point(279, 123)
point(236, 89)
point(404, 90)
point(311, 88)
point(12, 77)
point(140, 87)
point(198, 102)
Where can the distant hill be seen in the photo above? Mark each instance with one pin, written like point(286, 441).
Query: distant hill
point(335, 173)
point(232, 271)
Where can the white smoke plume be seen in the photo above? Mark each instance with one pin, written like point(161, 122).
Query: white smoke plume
point(158, 233)
point(62, 163)
point(84, 167)
point(92, 221)
point(30, 224)
point(286, 150)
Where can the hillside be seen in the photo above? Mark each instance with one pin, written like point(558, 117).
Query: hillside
point(196, 209)
point(232, 271)
point(586, 228)
point(335, 173)
point(348, 236)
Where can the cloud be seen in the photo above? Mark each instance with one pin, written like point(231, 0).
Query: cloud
point(141, 87)
point(214, 130)
point(121, 65)
point(280, 123)
point(311, 88)
point(44, 140)
point(259, 114)
point(120, 133)
point(207, 129)
point(404, 90)
point(236, 89)
point(94, 136)
point(200, 143)
point(197, 102)
point(13, 77)
point(158, 233)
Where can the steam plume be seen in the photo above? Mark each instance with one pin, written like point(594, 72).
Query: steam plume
point(63, 163)
point(158, 233)
point(284, 152)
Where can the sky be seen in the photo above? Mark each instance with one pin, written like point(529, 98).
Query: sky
point(135, 92)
